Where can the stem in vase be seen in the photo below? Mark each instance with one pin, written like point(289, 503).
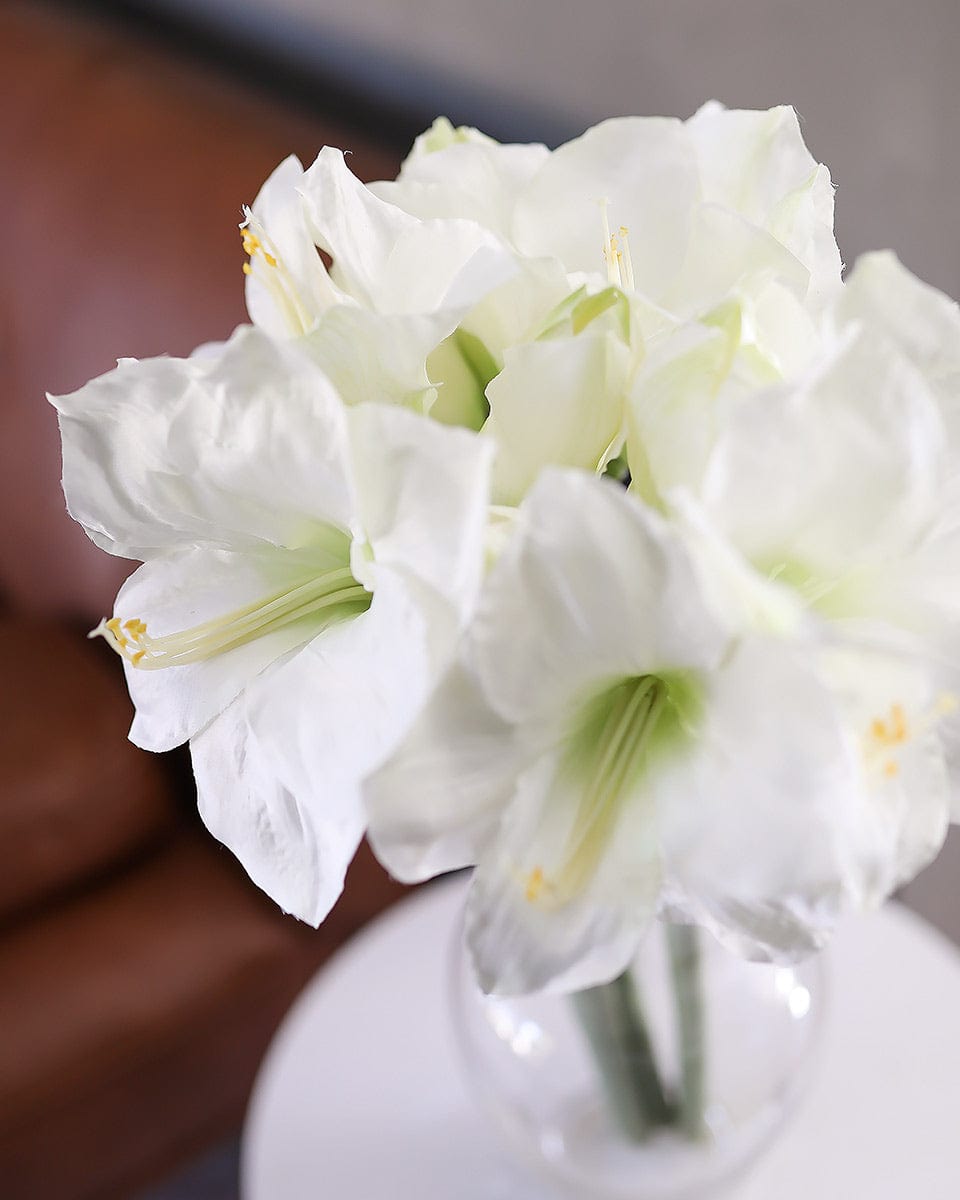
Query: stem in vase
point(612, 1019)
point(683, 943)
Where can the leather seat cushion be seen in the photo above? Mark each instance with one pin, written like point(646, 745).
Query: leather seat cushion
point(75, 796)
point(134, 1018)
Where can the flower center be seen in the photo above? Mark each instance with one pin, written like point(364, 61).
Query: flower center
point(266, 263)
point(605, 757)
point(325, 598)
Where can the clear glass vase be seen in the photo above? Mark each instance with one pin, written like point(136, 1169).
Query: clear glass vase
point(666, 1084)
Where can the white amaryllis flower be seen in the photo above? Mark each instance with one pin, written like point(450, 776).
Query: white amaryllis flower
point(604, 749)
point(924, 324)
point(841, 490)
point(838, 487)
point(691, 382)
point(306, 567)
point(681, 212)
point(384, 259)
point(479, 246)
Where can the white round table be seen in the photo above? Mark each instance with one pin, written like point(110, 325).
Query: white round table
point(360, 1095)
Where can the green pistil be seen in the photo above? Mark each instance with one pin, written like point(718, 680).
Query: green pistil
point(633, 712)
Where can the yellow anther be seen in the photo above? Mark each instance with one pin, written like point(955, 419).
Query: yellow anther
point(535, 882)
point(252, 245)
point(138, 656)
point(115, 628)
point(885, 735)
point(893, 732)
point(616, 252)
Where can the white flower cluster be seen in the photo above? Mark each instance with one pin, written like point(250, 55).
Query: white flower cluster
point(578, 523)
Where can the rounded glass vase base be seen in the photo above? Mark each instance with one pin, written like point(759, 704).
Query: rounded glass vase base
point(671, 1167)
point(361, 1095)
point(537, 1070)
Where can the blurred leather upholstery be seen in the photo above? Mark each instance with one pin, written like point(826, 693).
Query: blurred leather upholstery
point(77, 796)
point(141, 974)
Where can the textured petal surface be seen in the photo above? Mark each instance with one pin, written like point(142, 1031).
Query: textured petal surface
point(370, 358)
point(244, 447)
point(522, 938)
point(423, 493)
point(592, 586)
point(474, 178)
point(756, 164)
point(279, 773)
point(758, 817)
point(921, 321)
point(180, 590)
point(725, 253)
point(646, 171)
point(390, 261)
point(555, 402)
point(843, 469)
point(436, 802)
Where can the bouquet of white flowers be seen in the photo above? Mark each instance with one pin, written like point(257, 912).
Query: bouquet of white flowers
point(562, 514)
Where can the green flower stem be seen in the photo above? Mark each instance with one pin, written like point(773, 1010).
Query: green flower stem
point(612, 1019)
point(683, 943)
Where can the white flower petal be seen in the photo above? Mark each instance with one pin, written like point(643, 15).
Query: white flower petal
point(592, 586)
point(475, 178)
point(249, 807)
point(645, 169)
point(243, 448)
point(756, 164)
point(181, 590)
point(435, 803)
point(761, 814)
point(842, 470)
point(693, 378)
point(921, 321)
point(891, 704)
point(443, 264)
point(724, 253)
point(515, 311)
point(558, 401)
point(371, 358)
point(393, 262)
point(522, 937)
point(289, 290)
point(423, 494)
point(351, 223)
point(279, 773)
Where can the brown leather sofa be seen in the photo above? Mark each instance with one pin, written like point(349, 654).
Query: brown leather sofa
point(141, 974)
